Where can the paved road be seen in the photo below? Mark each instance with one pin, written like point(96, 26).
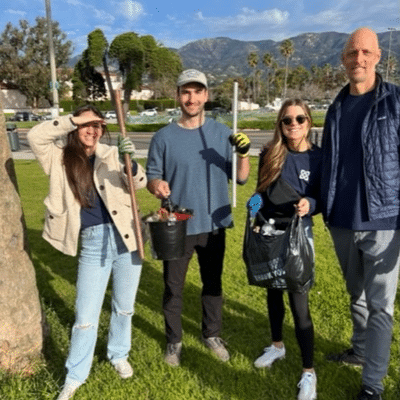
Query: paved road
point(142, 141)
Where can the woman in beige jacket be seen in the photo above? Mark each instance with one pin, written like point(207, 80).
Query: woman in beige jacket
point(89, 200)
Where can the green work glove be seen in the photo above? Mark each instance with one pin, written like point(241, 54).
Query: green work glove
point(241, 142)
point(125, 146)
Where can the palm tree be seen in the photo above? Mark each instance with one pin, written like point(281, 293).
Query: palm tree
point(252, 60)
point(286, 49)
point(267, 61)
point(327, 72)
point(390, 65)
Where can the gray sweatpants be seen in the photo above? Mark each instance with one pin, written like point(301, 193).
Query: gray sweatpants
point(370, 265)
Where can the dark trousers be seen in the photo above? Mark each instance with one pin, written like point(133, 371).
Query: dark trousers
point(302, 321)
point(210, 249)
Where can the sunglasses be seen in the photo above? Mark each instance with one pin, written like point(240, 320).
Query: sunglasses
point(300, 120)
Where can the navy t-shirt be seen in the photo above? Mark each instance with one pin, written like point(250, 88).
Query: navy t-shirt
point(350, 209)
point(97, 213)
point(301, 170)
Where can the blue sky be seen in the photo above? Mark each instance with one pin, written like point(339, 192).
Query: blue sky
point(177, 22)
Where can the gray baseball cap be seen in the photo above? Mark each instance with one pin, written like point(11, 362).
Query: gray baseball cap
point(191, 75)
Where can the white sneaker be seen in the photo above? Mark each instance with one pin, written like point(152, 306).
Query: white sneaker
point(307, 386)
point(124, 369)
point(68, 391)
point(271, 354)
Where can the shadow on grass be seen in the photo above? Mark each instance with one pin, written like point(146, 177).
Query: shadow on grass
point(246, 330)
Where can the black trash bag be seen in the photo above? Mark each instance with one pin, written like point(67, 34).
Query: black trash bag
point(279, 261)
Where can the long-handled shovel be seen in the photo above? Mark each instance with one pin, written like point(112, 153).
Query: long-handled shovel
point(128, 167)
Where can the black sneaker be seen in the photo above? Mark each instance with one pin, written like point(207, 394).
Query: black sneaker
point(368, 394)
point(348, 357)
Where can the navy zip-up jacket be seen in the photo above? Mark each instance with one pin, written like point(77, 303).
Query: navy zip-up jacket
point(381, 153)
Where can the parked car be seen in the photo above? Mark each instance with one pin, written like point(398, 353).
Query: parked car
point(151, 112)
point(47, 117)
point(174, 111)
point(110, 115)
point(25, 116)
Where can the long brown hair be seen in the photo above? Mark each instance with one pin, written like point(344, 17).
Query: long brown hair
point(276, 150)
point(78, 167)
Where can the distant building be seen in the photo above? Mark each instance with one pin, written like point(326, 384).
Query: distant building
point(117, 84)
point(247, 106)
point(11, 98)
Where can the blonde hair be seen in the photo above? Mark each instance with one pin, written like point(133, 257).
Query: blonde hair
point(276, 150)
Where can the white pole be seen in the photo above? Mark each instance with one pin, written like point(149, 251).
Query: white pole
point(54, 83)
point(234, 155)
point(388, 59)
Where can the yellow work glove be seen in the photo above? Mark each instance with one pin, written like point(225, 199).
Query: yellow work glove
point(241, 142)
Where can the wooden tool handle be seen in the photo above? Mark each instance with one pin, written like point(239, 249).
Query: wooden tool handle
point(131, 187)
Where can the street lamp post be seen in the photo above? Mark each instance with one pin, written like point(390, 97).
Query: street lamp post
point(54, 83)
point(388, 59)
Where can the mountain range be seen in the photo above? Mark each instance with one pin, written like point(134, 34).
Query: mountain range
point(228, 57)
point(223, 57)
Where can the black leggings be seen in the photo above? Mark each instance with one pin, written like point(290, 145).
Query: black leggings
point(302, 320)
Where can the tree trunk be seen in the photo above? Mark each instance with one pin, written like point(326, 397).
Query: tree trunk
point(286, 74)
point(108, 80)
point(20, 312)
point(127, 99)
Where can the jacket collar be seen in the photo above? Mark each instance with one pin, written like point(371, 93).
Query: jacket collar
point(379, 91)
point(103, 150)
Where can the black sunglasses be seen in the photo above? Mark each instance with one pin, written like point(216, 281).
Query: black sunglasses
point(300, 120)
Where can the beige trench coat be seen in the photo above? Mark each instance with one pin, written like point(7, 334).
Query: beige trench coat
point(62, 217)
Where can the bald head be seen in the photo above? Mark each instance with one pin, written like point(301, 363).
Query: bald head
point(365, 35)
point(360, 56)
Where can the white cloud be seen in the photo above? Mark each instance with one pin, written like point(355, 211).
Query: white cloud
point(17, 12)
point(247, 19)
point(132, 10)
point(104, 16)
point(332, 18)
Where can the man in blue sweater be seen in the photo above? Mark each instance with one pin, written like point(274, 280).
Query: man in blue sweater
point(360, 193)
point(190, 162)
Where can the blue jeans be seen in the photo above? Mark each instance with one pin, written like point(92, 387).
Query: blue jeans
point(103, 252)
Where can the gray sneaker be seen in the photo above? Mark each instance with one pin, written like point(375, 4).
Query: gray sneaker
point(173, 354)
point(217, 345)
point(68, 391)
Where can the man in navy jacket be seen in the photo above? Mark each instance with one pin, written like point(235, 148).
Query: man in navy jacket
point(360, 193)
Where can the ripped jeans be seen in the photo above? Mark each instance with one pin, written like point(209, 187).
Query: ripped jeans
point(102, 253)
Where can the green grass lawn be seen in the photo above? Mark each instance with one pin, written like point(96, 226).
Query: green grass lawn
point(201, 376)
